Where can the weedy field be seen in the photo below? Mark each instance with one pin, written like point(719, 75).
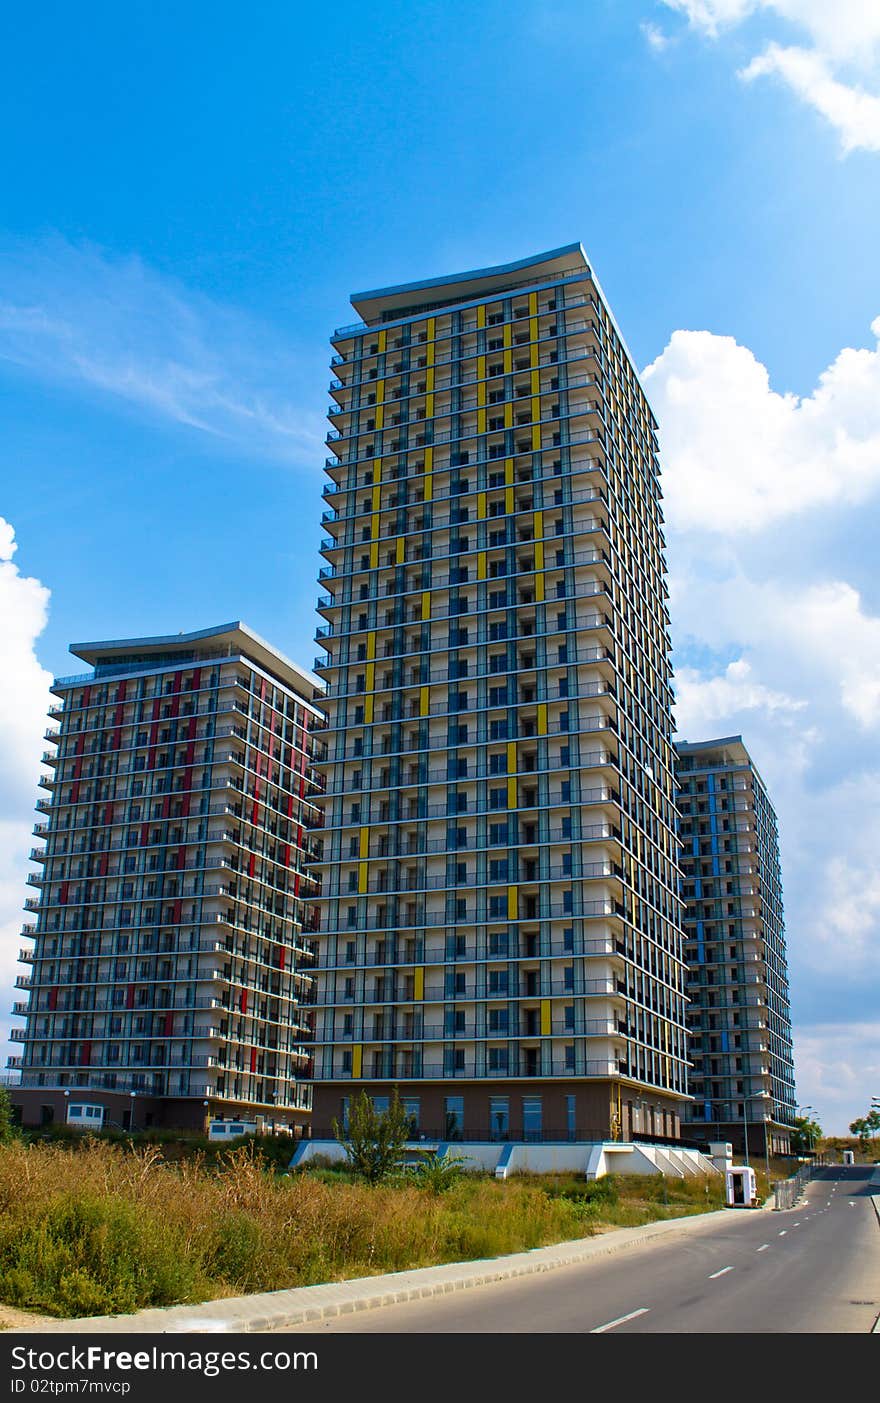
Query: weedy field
point(101, 1228)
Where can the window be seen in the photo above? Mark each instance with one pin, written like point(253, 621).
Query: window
point(499, 1117)
point(454, 1117)
point(571, 1111)
point(532, 1117)
point(497, 1059)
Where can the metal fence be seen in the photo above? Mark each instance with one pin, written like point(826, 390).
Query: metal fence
point(787, 1192)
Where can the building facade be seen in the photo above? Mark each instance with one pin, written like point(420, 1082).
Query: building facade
point(501, 930)
point(174, 931)
point(739, 1017)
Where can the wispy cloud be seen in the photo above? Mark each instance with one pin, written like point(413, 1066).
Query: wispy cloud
point(121, 329)
point(829, 74)
point(854, 112)
point(655, 37)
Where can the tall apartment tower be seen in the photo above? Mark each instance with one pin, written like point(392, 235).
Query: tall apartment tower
point(174, 943)
point(501, 927)
point(739, 1016)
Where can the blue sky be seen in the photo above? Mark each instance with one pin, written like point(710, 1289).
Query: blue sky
point(188, 194)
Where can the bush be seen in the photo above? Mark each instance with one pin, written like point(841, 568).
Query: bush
point(94, 1256)
point(437, 1173)
point(8, 1130)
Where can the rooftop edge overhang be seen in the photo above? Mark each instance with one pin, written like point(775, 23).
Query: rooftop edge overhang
point(462, 287)
point(730, 749)
point(235, 637)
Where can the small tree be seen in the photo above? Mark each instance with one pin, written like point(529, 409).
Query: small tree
point(862, 1129)
point(805, 1134)
point(7, 1123)
point(374, 1139)
point(872, 1120)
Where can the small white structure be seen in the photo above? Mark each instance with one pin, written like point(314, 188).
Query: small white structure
point(721, 1155)
point(82, 1115)
point(742, 1187)
point(849, 1157)
point(231, 1129)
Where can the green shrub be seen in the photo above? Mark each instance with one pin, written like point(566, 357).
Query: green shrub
point(91, 1255)
point(437, 1173)
point(8, 1129)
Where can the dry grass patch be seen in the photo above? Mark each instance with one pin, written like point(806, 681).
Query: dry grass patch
point(99, 1229)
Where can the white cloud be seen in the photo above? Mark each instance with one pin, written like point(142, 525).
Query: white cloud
point(818, 638)
point(768, 500)
point(845, 43)
point(712, 16)
point(24, 698)
point(654, 37)
point(739, 455)
point(853, 112)
point(838, 1067)
point(846, 29)
point(701, 702)
point(122, 329)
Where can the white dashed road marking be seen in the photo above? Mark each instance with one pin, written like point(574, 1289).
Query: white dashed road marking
point(621, 1320)
point(720, 1273)
point(764, 1247)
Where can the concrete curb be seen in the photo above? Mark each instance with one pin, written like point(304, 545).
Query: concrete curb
point(303, 1305)
point(875, 1199)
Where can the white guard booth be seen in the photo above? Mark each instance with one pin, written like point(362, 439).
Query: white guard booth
point(82, 1116)
point(849, 1157)
point(742, 1188)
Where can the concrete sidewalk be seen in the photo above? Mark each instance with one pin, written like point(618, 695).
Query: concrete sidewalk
point(279, 1310)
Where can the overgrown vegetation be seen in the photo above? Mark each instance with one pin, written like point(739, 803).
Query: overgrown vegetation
point(8, 1130)
point(439, 1173)
point(99, 1228)
point(866, 1151)
point(373, 1140)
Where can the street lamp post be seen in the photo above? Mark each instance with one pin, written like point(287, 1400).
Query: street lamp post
point(746, 1126)
point(132, 1095)
point(803, 1110)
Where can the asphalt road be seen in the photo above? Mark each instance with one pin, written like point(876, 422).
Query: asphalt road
point(814, 1269)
